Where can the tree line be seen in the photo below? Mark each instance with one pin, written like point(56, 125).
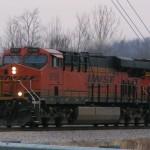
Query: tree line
point(96, 32)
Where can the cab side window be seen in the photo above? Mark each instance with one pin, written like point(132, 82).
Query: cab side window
point(56, 62)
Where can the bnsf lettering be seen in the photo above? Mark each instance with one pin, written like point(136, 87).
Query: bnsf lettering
point(100, 79)
point(5, 77)
point(17, 77)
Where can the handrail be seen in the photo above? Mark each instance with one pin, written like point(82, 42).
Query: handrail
point(35, 94)
point(27, 91)
point(33, 91)
point(144, 91)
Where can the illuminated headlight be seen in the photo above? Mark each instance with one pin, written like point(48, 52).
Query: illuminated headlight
point(14, 70)
point(19, 93)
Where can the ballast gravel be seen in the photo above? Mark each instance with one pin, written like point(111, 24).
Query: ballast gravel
point(74, 138)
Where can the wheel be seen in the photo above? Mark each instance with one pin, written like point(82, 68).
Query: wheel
point(33, 125)
point(146, 123)
point(116, 124)
point(44, 122)
point(58, 122)
point(146, 120)
point(95, 124)
point(127, 120)
point(136, 122)
point(106, 125)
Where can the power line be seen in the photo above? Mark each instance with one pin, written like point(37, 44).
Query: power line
point(138, 16)
point(126, 20)
point(130, 19)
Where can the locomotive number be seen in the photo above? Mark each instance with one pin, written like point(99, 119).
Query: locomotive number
point(54, 76)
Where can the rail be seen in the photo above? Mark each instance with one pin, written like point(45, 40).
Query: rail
point(20, 146)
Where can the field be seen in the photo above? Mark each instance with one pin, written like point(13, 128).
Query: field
point(138, 139)
point(138, 144)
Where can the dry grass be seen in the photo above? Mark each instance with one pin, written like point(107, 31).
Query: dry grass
point(136, 144)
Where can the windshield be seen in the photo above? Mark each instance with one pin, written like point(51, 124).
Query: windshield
point(35, 61)
point(12, 59)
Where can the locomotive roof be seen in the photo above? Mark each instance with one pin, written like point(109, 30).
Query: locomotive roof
point(55, 53)
point(125, 58)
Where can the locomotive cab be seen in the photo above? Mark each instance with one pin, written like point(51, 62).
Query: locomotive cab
point(24, 76)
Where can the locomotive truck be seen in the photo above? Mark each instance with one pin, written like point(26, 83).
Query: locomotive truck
point(50, 87)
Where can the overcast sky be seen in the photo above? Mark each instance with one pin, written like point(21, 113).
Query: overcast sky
point(67, 10)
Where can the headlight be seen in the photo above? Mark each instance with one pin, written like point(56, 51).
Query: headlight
point(14, 70)
point(19, 93)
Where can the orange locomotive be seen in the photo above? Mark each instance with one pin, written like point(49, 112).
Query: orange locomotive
point(46, 86)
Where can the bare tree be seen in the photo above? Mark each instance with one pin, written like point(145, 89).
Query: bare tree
point(22, 31)
point(30, 27)
point(142, 48)
point(105, 24)
point(81, 36)
point(12, 35)
point(104, 29)
point(94, 32)
point(3, 44)
point(54, 36)
point(91, 32)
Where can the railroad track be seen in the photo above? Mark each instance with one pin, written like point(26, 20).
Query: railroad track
point(71, 128)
